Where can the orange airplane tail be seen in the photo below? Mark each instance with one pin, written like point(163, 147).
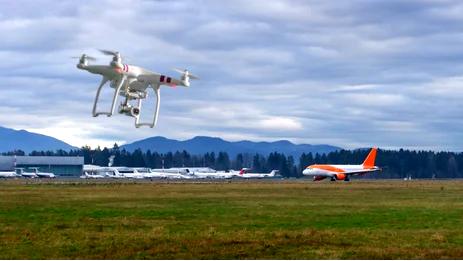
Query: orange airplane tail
point(370, 159)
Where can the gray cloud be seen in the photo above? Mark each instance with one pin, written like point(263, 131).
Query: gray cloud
point(352, 74)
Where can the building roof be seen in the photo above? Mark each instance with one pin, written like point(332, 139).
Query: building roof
point(9, 162)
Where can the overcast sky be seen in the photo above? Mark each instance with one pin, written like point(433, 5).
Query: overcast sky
point(346, 73)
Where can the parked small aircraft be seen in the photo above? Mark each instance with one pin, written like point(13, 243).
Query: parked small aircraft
point(8, 174)
point(92, 175)
point(25, 174)
point(244, 173)
point(147, 173)
point(43, 174)
point(128, 172)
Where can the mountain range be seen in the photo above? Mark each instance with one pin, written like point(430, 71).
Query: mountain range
point(11, 140)
point(201, 145)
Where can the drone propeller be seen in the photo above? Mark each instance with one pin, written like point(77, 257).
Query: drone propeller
point(186, 72)
point(108, 52)
point(116, 55)
point(90, 58)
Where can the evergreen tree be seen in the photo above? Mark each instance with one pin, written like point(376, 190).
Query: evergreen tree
point(397, 164)
point(223, 161)
point(239, 162)
point(256, 163)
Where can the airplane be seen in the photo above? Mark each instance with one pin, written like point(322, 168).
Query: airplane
point(130, 82)
point(224, 175)
point(194, 173)
point(147, 173)
point(95, 172)
point(170, 175)
point(26, 174)
point(173, 173)
point(342, 172)
point(43, 174)
point(92, 175)
point(198, 173)
point(8, 174)
point(202, 173)
point(92, 172)
point(243, 173)
point(127, 172)
point(116, 172)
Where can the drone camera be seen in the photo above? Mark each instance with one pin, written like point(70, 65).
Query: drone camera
point(129, 110)
point(135, 111)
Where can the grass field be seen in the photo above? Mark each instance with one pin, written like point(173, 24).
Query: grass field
point(237, 220)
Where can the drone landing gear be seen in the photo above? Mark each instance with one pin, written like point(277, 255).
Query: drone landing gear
point(116, 93)
point(138, 124)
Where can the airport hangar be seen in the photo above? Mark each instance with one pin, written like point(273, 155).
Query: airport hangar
point(62, 166)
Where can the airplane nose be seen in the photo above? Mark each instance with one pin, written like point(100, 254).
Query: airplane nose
point(306, 172)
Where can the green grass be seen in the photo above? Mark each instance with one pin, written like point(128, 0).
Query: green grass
point(237, 220)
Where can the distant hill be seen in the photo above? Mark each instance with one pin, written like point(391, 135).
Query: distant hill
point(11, 139)
point(201, 145)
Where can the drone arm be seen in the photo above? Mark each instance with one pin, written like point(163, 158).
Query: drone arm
point(157, 90)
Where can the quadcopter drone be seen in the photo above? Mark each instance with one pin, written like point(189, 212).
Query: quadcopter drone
point(132, 83)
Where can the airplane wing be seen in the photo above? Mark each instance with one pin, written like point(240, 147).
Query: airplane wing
point(359, 172)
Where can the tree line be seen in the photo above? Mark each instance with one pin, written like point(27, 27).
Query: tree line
point(395, 164)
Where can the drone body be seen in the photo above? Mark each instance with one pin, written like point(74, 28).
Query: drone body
point(132, 83)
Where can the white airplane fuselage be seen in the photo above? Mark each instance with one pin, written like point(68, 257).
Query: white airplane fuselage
point(123, 172)
point(244, 174)
point(29, 175)
point(212, 175)
point(45, 175)
point(48, 175)
point(92, 175)
point(8, 174)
